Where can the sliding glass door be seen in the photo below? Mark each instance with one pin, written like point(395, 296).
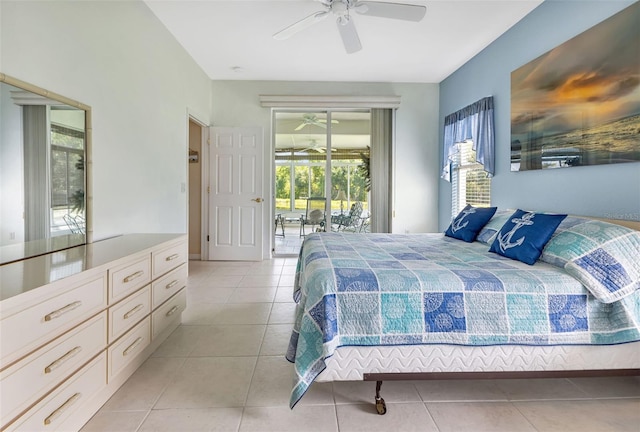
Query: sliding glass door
point(308, 145)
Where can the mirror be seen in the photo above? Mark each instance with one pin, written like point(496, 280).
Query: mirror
point(44, 143)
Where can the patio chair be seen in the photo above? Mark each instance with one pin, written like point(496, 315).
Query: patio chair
point(76, 224)
point(315, 214)
point(350, 221)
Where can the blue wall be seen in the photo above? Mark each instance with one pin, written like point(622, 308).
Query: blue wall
point(611, 191)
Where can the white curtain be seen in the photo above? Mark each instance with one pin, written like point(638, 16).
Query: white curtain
point(474, 122)
point(381, 169)
point(37, 200)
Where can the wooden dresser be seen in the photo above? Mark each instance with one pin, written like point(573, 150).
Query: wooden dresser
point(75, 324)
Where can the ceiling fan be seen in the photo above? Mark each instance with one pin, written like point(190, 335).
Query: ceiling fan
point(342, 10)
point(312, 119)
point(314, 145)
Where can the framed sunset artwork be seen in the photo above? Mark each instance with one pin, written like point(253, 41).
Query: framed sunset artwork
point(579, 104)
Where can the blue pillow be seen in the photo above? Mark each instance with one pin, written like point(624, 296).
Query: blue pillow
point(524, 235)
point(469, 222)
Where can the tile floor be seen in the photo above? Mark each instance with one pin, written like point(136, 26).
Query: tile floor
point(223, 369)
point(290, 242)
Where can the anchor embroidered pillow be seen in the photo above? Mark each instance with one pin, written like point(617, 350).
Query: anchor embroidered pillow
point(525, 234)
point(469, 222)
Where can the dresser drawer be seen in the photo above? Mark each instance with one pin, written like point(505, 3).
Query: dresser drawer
point(169, 258)
point(32, 377)
point(169, 284)
point(123, 315)
point(126, 278)
point(128, 347)
point(169, 313)
point(32, 327)
point(51, 413)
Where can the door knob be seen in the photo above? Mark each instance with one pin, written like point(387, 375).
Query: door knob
point(258, 200)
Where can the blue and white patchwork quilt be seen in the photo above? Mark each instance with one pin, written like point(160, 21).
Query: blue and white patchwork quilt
point(392, 289)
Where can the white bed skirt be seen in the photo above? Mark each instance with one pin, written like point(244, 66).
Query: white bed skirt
point(350, 363)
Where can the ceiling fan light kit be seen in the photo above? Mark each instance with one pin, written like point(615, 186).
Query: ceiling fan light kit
point(346, 26)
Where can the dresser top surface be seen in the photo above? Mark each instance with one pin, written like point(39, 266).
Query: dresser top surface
point(22, 276)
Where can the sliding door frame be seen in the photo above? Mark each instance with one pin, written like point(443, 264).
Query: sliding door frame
point(386, 163)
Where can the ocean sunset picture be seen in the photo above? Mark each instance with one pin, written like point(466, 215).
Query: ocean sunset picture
point(579, 104)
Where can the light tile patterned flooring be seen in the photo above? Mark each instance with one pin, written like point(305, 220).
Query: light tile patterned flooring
point(290, 243)
point(223, 369)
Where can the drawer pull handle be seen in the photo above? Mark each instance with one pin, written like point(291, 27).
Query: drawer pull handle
point(171, 257)
point(63, 310)
point(73, 399)
point(56, 364)
point(133, 276)
point(132, 346)
point(172, 284)
point(133, 311)
point(171, 311)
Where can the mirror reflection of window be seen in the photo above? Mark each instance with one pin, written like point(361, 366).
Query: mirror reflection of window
point(67, 172)
point(54, 171)
point(44, 140)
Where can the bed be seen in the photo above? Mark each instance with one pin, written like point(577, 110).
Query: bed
point(428, 306)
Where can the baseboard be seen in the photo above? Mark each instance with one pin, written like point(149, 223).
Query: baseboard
point(194, 257)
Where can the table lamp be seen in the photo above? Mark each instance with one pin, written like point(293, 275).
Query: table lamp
point(342, 197)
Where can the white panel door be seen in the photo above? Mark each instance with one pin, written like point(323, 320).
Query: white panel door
point(235, 194)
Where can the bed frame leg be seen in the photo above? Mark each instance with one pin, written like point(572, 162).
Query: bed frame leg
point(381, 407)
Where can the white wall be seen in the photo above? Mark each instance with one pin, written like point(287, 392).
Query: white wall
point(119, 59)
point(236, 103)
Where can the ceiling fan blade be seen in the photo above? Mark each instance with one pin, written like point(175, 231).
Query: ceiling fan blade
point(349, 34)
point(300, 126)
point(322, 125)
point(301, 25)
point(401, 11)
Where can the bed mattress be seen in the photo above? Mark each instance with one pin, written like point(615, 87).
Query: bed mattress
point(350, 363)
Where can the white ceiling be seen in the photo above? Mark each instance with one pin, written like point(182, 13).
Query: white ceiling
point(232, 40)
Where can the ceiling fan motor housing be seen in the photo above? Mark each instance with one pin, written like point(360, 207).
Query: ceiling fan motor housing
point(340, 7)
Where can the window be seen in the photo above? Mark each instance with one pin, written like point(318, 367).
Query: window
point(470, 183)
point(309, 181)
